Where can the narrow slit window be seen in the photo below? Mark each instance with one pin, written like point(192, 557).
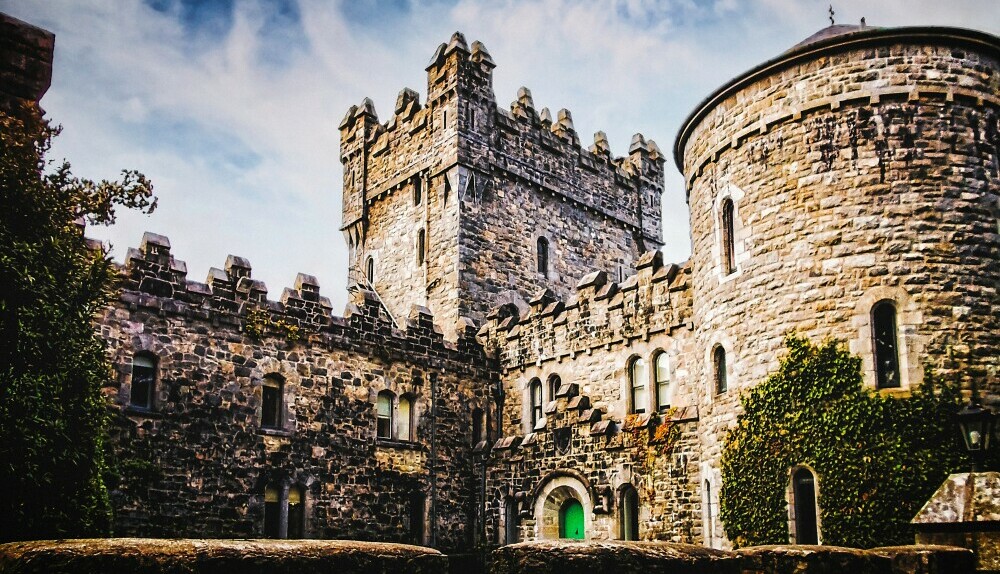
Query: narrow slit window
point(296, 512)
point(421, 247)
point(554, 383)
point(885, 344)
point(272, 511)
point(728, 240)
point(370, 270)
point(417, 190)
point(543, 256)
point(535, 391)
point(719, 367)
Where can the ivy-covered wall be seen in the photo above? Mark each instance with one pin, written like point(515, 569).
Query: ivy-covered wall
point(876, 458)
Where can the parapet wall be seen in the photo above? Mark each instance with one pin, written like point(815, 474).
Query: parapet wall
point(25, 62)
point(603, 314)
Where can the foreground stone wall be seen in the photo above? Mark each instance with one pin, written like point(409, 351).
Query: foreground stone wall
point(198, 461)
point(862, 168)
point(131, 555)
point(587, 445)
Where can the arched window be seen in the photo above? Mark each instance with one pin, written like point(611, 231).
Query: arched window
point(554, 384)
point(727, 215)
point(404, 427)
point(629, 517)
point(571, 522)
point(383, 415)
point(272, 402)
point(638, 378)
point(719, 369)
point(478, 426)
point(543, 256)
point(884, 343)
point(510, 521)
point(535, 398)
point(143, 384)
point(370, 270)
point(421, 247)
point(804, 507)
point(272, 511)
point(296, 512)
point(664, 390)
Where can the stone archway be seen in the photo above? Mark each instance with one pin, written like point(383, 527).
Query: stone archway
point(551, 503)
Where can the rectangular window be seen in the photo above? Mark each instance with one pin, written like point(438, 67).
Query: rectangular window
point(143, 382)
point(270, 416)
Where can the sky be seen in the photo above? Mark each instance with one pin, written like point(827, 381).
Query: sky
point(231, 107)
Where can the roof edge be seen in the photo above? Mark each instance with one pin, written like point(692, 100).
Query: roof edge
point(870, 36)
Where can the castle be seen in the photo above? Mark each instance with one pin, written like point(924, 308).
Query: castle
point(512, 328)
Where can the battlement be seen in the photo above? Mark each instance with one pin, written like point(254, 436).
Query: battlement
point(154, 279)
point(601, 314)
point(462, 124)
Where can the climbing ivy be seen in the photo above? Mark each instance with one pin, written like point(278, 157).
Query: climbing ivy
point(877, 458)
point(258, 322)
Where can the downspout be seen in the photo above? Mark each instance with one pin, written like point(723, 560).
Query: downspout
point(432, 462)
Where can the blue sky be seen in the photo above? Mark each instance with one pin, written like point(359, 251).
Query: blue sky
point(232, 106)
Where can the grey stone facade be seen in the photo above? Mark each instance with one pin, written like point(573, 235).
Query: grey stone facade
point(858, 168)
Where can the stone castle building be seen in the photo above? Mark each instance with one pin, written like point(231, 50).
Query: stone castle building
point(517, 361)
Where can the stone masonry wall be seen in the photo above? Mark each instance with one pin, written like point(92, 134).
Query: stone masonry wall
point(586, 433)
point(25, 62)
point(858, 174)
point(197, 463)
point(476, 166)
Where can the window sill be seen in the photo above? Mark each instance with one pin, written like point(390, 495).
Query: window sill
point(274, 432)
point(397, 443)
point(134, 411)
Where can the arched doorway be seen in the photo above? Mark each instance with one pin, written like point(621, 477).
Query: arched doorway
point(571, 523)
point(629, 510)
point(804, 506)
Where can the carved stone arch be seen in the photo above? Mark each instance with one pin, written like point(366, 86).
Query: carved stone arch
point(728, 191)
point(910, 341)
point(716, 340)
point(555, 490)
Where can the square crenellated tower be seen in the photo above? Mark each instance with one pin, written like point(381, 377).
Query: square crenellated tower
point(459, 206)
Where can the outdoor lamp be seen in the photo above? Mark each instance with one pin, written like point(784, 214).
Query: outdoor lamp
point(976, 423)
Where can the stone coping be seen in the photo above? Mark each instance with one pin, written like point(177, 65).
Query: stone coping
point(195, 556)
point(566, 557)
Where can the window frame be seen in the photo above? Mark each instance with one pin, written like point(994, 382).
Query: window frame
point(881, 346)
point(634, 407)
point(370, 270)
point(150, 382)
point(384, 421)
point(421, 247)
point(720, 370)
point(407, 431)
point(552, 385)
point(665, 383)
point(628, 517)
point(535, 407)
point(272, 384)
point(727, 228)
point(542, 247)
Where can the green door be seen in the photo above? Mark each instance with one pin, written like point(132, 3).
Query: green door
point(571, 520)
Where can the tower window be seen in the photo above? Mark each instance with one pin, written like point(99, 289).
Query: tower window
point(292, 501)
point(296, 512)
point(728, 240)
point(417, 505)
point(383, 415)
point(421, 247)
point(370, 270)
point(709, 515)
point(543, 256)
point(478, 426)
point(143, 381)
point(272, 390)
point(272, 511)
point(664, 391)
point(885, 345)
point(638, 378)
point(417, 191)
point(719, 368)
point(535, 396)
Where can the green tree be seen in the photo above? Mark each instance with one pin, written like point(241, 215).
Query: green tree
point(878, 458)
point(52, 361)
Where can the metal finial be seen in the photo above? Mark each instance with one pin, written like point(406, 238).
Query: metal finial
point(831, 15)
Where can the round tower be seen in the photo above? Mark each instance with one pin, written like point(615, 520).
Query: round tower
point(848, 188)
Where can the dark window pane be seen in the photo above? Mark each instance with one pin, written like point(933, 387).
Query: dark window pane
point(272, 512)
point(417, 518)
point(543, 256)
point(728, 247)
point(721, 381)
point(296, 513)
point(143, 382)
point(270, 416)
point(804, 491)
point(886, 351)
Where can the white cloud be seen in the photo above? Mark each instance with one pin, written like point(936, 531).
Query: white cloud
point(239, 131)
